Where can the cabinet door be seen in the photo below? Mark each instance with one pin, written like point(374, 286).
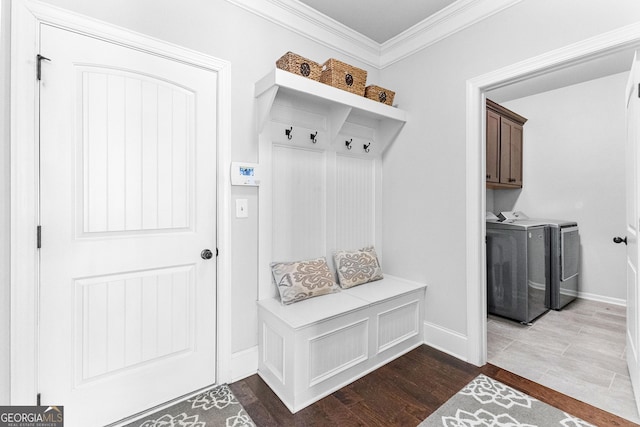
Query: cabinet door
point(516, 154)
point(510, 152)
point(493, 146)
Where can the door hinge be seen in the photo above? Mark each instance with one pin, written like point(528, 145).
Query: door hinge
point(38, 400)
point(39, 237)
point(40, 58)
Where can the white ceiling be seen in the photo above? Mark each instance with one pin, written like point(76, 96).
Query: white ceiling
point(379, 20)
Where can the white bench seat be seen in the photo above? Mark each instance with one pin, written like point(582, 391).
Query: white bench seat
point(313, 310)
point(311, 348)
point(380, 290)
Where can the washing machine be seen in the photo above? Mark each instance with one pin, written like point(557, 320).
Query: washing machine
point(518, 268)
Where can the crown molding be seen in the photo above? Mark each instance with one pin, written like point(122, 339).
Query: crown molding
point(310, 23)
point(453, 18)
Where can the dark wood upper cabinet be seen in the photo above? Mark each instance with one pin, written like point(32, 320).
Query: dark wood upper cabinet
point(504, 147)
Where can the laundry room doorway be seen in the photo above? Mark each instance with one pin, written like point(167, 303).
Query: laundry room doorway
point(566, 62)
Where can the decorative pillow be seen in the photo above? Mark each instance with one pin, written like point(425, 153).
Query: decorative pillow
point(357, 267)
point(300, 280)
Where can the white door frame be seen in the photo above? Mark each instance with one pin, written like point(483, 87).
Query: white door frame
point(27, 15)
point(573, 54)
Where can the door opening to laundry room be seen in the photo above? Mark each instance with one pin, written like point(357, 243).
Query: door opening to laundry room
point(603, 130)
point(127, 187)
point(587, 335)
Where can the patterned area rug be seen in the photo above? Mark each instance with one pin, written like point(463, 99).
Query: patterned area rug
point(487, 402)
point(212, 408)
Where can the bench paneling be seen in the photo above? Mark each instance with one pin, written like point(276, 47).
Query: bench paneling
point(311, 348)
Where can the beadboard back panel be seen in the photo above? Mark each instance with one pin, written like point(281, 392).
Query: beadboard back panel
point(299, 204)
point(319, 197)
point(320, 154)
point(355, 202)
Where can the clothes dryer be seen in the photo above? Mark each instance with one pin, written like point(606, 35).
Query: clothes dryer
point(564, 244)
point(564, 257)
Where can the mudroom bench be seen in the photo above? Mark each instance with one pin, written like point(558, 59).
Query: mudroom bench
point(310, 349)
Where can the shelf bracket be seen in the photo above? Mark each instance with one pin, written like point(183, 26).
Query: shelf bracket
point(265, 102)
point(389, 132)
point(337, 117)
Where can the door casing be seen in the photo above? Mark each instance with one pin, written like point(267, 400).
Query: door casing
point(26, 18)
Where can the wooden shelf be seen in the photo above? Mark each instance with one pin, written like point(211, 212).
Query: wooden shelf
point(342, 104)
point(286, 81)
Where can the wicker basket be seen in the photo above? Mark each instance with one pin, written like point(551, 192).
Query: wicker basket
point(379, 94)
point(299, 65)
point(344, 76)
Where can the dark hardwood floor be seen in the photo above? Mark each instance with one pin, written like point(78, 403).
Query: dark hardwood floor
point(402, 393)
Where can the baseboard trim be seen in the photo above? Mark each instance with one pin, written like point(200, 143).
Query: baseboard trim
point(244, 363)
point(446, 340)
point(600, 298)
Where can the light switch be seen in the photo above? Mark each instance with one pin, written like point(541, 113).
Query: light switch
point(242, 208)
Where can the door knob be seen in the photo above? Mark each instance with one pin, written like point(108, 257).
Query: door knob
point(206, 254)
point(620, 240)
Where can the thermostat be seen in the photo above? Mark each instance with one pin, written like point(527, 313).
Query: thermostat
point(245, 174)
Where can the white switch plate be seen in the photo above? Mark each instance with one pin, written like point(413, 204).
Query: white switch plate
point(242, 208)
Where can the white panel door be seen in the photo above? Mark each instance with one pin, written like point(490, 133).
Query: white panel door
point(633, 140)
point(128, 178)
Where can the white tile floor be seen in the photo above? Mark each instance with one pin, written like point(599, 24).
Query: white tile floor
point(579, 351)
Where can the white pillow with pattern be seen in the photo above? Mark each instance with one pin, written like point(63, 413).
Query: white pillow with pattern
point(357, 267)
point(300, 280)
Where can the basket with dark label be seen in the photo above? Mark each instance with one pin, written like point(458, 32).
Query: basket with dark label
point(379, 94)
point(299, 65)
point(344, 76)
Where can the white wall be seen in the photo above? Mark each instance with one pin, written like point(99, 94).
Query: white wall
point(425, 172)
point(574, 157)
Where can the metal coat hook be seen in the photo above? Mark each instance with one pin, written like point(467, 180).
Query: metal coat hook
point(314, 137)
point(289, 132)
point(348, 143)
point(366, 147)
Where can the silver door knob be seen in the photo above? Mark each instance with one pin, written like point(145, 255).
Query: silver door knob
point(206, 254)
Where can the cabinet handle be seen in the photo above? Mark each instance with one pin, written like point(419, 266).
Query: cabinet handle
point(512, 180)
point(488, 176)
